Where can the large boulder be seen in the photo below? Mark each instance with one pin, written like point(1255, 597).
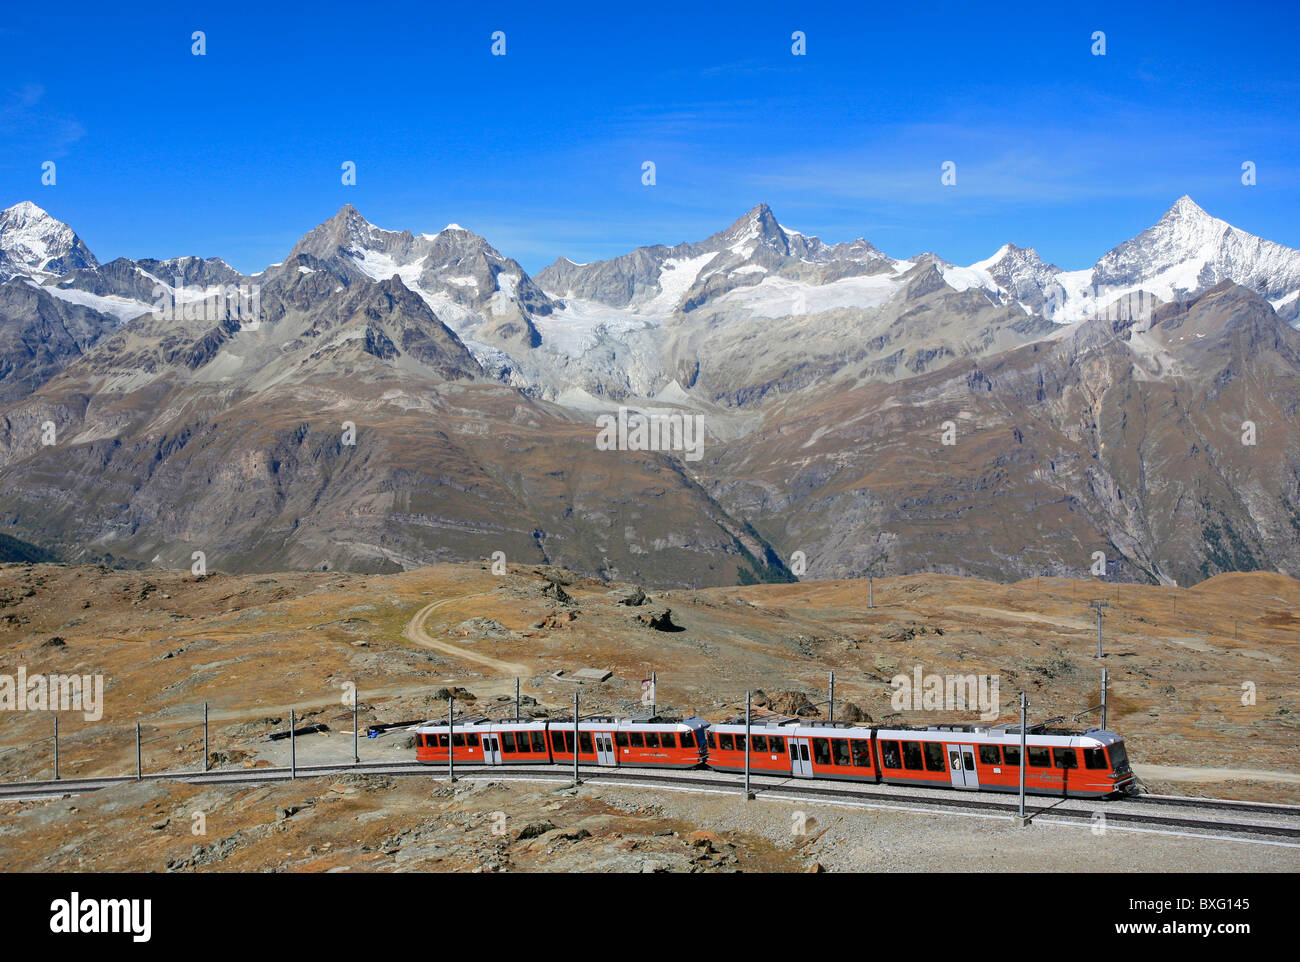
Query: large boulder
point(632, 596)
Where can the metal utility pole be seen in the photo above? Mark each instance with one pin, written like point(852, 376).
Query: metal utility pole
point(516, 699)
point(1021, 820)
point(654, 693)
point(831, 710)
point(1104, 679)
point(1099, 605)
point(205, 736)
point(139, 767)
point(56, 747)
point(451, 731)
point(576, 780)
point(356, 727)
point(748, 698)
point(293, 747)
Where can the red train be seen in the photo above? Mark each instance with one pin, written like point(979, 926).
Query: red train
point(1087, 764)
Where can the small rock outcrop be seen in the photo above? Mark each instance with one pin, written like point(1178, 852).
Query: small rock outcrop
point(658, 617)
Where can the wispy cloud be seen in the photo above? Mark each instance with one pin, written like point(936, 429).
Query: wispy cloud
point(29, 128)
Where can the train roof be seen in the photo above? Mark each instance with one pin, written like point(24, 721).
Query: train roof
point(788, 725)
point(585, 723)
point(626, 723)
point(1038, 734)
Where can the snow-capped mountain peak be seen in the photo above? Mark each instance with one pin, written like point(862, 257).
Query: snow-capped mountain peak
point(1188, 251)
point(34, 244)
point(1185, 252)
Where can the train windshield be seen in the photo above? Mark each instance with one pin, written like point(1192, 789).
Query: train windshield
point(1118, 757)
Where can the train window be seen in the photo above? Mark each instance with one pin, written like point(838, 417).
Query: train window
point(1065, 758)
point(1012, 754)
point(934, 757)
point(1094, 758)
point(472, 740)
point(760, 743)
point(740, 743)
point(1118, 757)
point(508, 741)
point(726, 742)
point(840, 748)
point(822, 751)
point(637, 739)
point(861, 752)
point(458, 741)
point(651, 739)
point(989, 755)
point(620, 739)
point(667, 739)
point(584, 742)
point(559, 740)
point(889, 754)
point(539, 743)
point(1040, 757)
point(776, 744)
point(713, 740)
point(912, 755)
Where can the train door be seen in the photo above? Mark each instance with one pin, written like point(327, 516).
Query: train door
point(961, 765)
point(800, 760)
point(605, 754)
point(491, 749)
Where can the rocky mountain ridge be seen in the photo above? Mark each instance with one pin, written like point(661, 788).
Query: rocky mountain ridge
point(398, 398)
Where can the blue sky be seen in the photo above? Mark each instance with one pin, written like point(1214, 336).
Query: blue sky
point(238, 153)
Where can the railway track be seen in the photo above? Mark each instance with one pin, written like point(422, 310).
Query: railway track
point(1235, 818)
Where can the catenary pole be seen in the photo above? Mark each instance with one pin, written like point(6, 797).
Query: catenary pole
point(748, 699)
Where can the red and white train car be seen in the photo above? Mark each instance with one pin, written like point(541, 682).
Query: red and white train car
point(833, 750)
point(601, 741)
point(484, 741)
point(1089, 764)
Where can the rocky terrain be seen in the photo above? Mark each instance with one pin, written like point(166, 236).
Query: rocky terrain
point(254, 646)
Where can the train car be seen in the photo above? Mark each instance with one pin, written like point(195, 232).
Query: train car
point(648, 741)
point(834, 750)
point(485, 742)
point(601, 741)
point(1061, 762)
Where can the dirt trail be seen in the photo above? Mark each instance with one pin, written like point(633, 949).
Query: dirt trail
point(1062, 621)
point(414, 632)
